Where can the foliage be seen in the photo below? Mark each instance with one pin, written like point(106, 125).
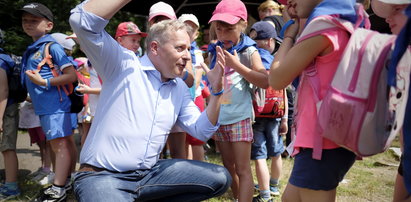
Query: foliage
point(17, 40)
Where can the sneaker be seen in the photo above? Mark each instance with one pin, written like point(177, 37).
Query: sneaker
point(50, 195)
point(39, 175)
point(6, 193)
point(275, 191)
point(261, 199)
point(48, 179)
point(68, 186)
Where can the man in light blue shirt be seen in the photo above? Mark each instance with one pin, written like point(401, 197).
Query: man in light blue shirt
point(140, 101)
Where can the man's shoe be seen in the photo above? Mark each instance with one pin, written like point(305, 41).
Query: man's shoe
point(6, 193)
point(261, 199)
point(51, 195)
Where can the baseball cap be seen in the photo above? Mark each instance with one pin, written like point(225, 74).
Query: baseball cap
point(39, 10)
point(284, 2)
point(161, 8)
point(189, 17)
point(128, 28)
point(264, 30)
point(381, 8)
point(229, 11)
point(64, 41)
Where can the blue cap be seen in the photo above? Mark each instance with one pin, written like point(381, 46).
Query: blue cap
point(264, 30)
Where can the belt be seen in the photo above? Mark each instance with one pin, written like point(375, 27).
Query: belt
point(87, 167)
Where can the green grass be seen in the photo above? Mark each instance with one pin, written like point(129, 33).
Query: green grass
point(368, 180)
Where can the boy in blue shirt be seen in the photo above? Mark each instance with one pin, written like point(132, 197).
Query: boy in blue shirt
point(46, 91)
point(268, 141)
point(8, 128)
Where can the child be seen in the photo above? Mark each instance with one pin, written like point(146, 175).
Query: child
point(50, 101)
point(313, 179)
point(393, 12)
point(268, 141)
point(194, 147)
point(8, 127)
point(243, 66)
point(129, 36)
point(93, 90)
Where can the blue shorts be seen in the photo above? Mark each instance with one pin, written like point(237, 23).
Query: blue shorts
point(324, 174)
point(73, 121)
point(267, 141)
point(56, 125)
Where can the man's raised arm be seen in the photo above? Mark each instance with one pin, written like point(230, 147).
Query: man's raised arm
point(105, 8)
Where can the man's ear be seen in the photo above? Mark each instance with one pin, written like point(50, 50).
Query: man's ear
point(154, 45)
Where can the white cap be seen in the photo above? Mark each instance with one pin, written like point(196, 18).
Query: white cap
point(383, 10)
point(189, 17)
point(396, 1)
point(161, 8)
point(64, 41)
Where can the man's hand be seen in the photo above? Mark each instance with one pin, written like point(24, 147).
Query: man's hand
point(216, 75)
point(35, 77)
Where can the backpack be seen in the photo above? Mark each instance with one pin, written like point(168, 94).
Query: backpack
point(273, 103)
point(360, 111)
point(17, 90)
point(75, 98)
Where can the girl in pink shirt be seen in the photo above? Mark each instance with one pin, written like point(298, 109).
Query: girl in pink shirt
point(313, 178)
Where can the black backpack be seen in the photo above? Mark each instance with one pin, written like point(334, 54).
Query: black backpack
point(17, 91)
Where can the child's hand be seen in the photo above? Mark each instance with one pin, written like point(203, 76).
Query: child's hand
point(231, 60)
point(283, 127)
point(35, 77)
point(216, 75)
point(82, 88)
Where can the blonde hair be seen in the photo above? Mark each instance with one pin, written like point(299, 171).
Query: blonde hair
point(270, 4)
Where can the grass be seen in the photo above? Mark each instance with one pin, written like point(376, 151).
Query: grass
point(370, 179)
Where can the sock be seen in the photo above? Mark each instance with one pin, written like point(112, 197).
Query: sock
point(265, 194)
point(11, 185)
point(46, 169)
point(60, 189)
point(274, 182)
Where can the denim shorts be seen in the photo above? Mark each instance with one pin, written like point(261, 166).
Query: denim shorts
point(267, 141)
point(324, 174)
point(56, 125)
point(8, 138)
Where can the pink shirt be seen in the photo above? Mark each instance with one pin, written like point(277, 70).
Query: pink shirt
point(306, 118)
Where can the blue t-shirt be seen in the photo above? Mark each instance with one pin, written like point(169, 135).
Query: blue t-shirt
point(7, 63)
point(53, 100)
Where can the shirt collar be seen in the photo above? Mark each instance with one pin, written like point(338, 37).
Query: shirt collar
point(147, 65)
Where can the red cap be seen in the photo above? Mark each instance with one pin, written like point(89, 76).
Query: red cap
point(229, 11)
point(128, 28)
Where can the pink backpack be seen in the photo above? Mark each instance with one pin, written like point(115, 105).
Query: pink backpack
point(360, 111)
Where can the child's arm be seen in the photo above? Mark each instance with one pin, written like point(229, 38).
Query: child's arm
point(4, 94)
point(85, 89)
point(257, 75)
point(284, 119)
point(291, 60)
point(68, 76)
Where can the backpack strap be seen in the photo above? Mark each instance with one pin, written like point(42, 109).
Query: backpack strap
point(48, 59)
